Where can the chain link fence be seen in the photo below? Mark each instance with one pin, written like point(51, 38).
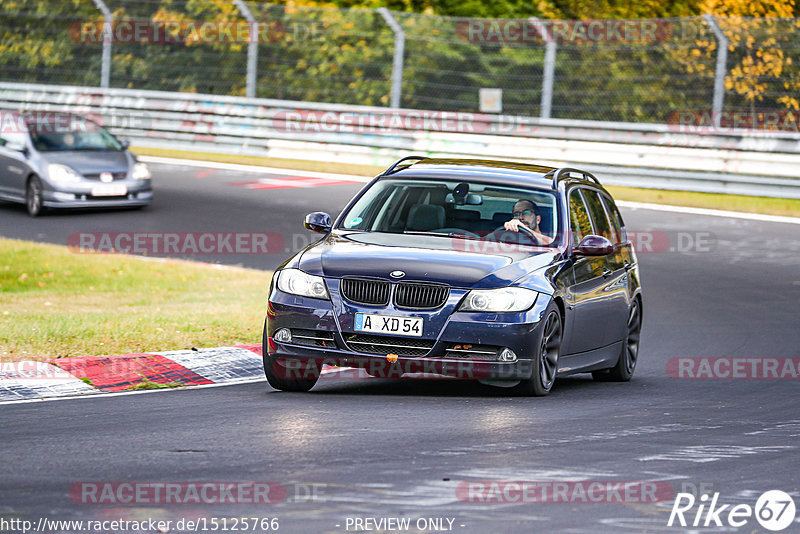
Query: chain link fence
point(622, 71)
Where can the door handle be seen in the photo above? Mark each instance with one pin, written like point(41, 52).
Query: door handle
point(628, 266)
point(607, 273)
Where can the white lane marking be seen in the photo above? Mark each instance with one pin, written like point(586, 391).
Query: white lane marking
point(252, 168)
point(364, 179)
point(706, 211)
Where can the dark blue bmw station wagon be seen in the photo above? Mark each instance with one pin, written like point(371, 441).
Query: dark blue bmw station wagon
point(507, 273)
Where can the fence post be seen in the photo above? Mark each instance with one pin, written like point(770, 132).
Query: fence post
point(108, 37)
point(719, 74)
point(399, 52)
point(549, 68)
point(252, 47)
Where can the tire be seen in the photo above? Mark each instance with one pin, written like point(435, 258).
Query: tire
point(629, 353)
point(276, 373)
point(33, 197)
point(545, 358)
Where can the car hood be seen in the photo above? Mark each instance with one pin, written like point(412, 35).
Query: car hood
point(456, 262)
point(91, 161)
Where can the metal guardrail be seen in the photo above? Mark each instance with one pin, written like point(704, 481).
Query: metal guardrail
point(639, 155)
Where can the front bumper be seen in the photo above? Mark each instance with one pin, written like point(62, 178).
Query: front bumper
point(516, 331)
point(139, 193)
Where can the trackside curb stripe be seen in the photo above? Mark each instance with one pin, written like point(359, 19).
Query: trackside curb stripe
point(121, 373)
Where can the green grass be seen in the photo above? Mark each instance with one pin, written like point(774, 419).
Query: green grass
point(149, 384)
point(769, 206)
point(748, 204)
point(56, 303)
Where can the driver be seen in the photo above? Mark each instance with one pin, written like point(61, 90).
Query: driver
point(526, 215)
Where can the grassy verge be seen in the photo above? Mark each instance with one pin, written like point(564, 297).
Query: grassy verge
point(748, 204)
point(298, 164)
point(789, 207)
point(58, 304)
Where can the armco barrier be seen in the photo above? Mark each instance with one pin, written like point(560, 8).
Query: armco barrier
point(642, 155)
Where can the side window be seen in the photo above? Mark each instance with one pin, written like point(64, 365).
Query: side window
point(602, 226)
point(579, 217)
point(616, 218)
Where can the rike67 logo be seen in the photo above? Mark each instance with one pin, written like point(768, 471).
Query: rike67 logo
point(774, 510)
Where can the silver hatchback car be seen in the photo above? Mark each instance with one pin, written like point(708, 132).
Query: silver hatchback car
point(65, 160)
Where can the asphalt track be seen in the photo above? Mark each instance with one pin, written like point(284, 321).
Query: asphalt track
point(373, 448)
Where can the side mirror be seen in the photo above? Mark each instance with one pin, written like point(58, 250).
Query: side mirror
point(594, 245)
point(17, 147)
point(126, 143)
point(319, 222)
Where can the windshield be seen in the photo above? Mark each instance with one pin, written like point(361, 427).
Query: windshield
point(76, 134)
point(463, 209)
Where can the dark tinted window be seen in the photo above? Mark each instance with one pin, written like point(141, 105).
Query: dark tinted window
point(616, 218)
point(579, 218)
point(599, 218)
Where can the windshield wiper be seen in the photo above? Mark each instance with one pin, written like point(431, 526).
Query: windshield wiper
point(440, 234)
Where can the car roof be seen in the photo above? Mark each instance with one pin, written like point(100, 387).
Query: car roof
point(485, 170)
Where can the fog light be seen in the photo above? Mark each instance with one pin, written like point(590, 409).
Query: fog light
point(507, 355)
point(284, 335)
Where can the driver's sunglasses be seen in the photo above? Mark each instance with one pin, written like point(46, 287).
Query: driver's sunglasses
point(526, 212)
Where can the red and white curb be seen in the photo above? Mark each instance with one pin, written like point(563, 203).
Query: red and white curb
point(87, 375)
point(122, 372)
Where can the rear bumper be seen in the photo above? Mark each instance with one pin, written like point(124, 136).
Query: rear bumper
point(514, 331)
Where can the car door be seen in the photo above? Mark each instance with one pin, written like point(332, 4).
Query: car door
point(624, 255)
point(614, 275)
point(585, 298)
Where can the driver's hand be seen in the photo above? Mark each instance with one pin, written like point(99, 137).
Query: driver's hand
point(513, 225)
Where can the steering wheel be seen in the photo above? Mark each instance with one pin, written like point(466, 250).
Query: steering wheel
point(509, 236)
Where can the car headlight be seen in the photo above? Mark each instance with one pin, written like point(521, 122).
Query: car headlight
point(61, 173)
point(296, 282)
point(140, 172)
point(506, 299)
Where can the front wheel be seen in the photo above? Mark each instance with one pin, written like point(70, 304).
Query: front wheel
point(545, 359)
point(629, 352)
point(33, 197)
point(283, 377)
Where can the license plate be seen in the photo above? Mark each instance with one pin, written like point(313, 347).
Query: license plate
point(109, 190)
point(385, 324)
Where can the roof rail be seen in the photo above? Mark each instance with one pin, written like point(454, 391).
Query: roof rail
point(401, 160)
point(559, 174)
